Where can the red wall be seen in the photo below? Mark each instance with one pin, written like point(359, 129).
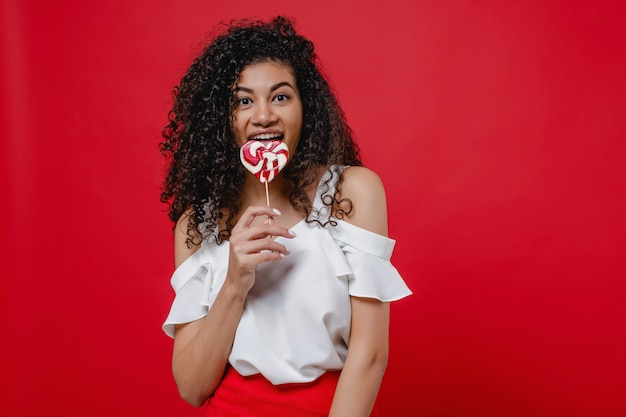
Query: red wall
point(498, 128)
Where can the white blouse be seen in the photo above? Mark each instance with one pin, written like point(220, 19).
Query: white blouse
point(296, 319)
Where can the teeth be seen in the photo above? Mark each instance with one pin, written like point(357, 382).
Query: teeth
point(267, 136)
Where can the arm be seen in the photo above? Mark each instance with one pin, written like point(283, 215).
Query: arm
point(367, 359)
point(202, 347)
point(369, 334)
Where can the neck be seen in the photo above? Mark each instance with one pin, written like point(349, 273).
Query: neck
point(253, 192)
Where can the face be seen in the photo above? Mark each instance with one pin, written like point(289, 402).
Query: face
point(267, 105)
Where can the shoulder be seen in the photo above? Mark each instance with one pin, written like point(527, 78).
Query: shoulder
point(362, 181)
point(365, 190)
point(183, 247)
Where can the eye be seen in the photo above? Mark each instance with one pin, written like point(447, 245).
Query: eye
point(243, 101)
point(281, 97)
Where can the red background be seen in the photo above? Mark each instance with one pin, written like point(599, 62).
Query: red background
point(498, 128)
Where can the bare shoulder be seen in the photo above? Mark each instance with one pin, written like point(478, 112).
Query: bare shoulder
point(365, 190)
point(182, 248)
point(362, 181)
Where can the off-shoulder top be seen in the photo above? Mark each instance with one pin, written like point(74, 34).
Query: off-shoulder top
point(295, 323)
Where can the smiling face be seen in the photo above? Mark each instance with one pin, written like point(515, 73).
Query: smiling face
point(267, 105)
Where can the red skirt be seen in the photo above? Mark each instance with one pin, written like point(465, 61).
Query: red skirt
point(255, 396)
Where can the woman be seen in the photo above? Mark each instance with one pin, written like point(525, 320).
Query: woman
point(281, 310)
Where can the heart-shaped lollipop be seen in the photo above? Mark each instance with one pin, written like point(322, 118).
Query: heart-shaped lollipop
point(264, 159)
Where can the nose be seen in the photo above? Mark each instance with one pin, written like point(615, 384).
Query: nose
point(263, 115)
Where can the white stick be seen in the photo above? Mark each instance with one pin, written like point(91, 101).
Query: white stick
point(270, 220)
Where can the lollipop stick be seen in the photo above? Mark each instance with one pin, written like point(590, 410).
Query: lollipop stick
point(267, 198)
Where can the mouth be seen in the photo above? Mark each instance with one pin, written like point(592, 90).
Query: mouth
point(266, 136)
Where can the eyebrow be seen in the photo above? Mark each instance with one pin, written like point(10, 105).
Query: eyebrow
point(272, 88)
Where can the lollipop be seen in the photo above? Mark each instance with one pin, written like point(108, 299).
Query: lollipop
point(264, 160)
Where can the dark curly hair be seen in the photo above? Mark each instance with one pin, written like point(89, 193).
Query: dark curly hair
point(205, 175)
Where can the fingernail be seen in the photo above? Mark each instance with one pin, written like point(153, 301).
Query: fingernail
point(282, 255)
point(292, 233)
point(277, 211)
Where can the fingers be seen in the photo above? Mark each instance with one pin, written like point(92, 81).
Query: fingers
point(262, 231)
point(261, 245)
point(253, 212)
point(252, 243)
point(254, 253)
point(244, 230)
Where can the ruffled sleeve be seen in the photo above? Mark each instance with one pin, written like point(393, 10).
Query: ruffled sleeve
point(368, 267)
point(192, 281)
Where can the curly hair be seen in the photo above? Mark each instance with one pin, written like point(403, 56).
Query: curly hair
point(205, 175)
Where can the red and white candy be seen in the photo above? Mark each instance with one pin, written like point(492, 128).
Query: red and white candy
point(264, 159)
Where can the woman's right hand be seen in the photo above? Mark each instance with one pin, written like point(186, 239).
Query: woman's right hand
point(201, 347)
point(252, 244)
